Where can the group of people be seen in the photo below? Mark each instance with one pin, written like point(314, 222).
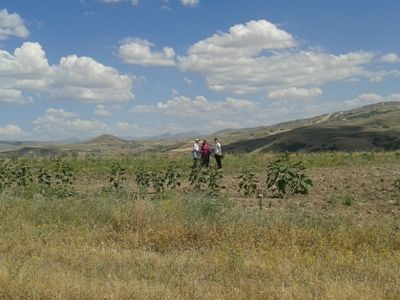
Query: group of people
point(202, 153)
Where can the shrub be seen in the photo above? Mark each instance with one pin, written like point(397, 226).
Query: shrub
point(64, 178)
point(248, 183)
point(117, 176)
point(285, 176)
point(143, 181)
point(158, 181)
point(172, 178)
point(23, 175)
point(44, 180)
point(215, 182)
point(198, 176)
point(6, 174)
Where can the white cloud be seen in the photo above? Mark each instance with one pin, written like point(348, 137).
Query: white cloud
point(208, 116)
point(11, 25)
point(260, 57)
point(364, 99)
point(190, 3)
point(126, 127)
point(200, 107)
point(191, 113)
point(138, 51)
point(85, 79)
point(101, 111)
point(58, 124)
point(13, 96)
point(28, 61)
point(248, 40)
point(79, 78)
point(371, 98)
point(295, 93)
point(11, 132)
point(390, 58)
point(188, 80)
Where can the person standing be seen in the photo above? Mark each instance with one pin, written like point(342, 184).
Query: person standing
point(196, 150)
point(218, 153)
point(205, 153)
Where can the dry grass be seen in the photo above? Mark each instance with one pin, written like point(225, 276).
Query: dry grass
point(191, 247)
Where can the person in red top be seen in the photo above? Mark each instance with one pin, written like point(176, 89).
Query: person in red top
point(205, 153)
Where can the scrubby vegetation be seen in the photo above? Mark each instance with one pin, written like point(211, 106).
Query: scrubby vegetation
point(137, 227)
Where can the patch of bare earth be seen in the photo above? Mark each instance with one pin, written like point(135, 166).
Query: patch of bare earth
point(362, 190)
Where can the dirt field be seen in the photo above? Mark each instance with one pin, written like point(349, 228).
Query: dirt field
point(367, 189)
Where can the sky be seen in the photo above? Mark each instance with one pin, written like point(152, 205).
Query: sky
point(134, 68)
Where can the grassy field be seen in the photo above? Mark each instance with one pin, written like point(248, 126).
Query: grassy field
point(84, 239)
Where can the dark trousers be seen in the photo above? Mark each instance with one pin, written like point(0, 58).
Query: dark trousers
point(206, 159)
point(218, 160)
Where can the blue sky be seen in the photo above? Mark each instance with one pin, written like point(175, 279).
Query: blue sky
point(80, 68)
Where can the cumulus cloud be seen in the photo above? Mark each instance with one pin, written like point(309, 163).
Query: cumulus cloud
point(260, 57)
point(85, 79)
point(390, 58)
point(58, 124)
point(11, 25)
point(11, 132)
point(79, 78)
point(28, 61)
point(138, 51)
point(248, 39)
point(190, 3)
point(295, 93)
point(201, 107)
point(199, 111)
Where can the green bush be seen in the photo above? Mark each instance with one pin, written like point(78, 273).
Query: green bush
point(117, 176)
point(215, 182)
point(248, 183)
point(198, 176)
point(286, 177)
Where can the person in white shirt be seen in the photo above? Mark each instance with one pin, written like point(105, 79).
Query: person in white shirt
point(196, 150)
point(218, 153)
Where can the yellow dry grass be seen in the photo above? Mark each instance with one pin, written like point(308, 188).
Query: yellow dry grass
point(191, 247)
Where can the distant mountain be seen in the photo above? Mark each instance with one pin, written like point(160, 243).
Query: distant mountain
point(107, 139)
point(12, 145)
point(372, 127)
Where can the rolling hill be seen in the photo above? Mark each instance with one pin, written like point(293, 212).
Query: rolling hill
point(373, 127)
point(370, 128)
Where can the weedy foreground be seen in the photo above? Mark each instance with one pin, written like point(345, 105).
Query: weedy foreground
point(138, 228)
